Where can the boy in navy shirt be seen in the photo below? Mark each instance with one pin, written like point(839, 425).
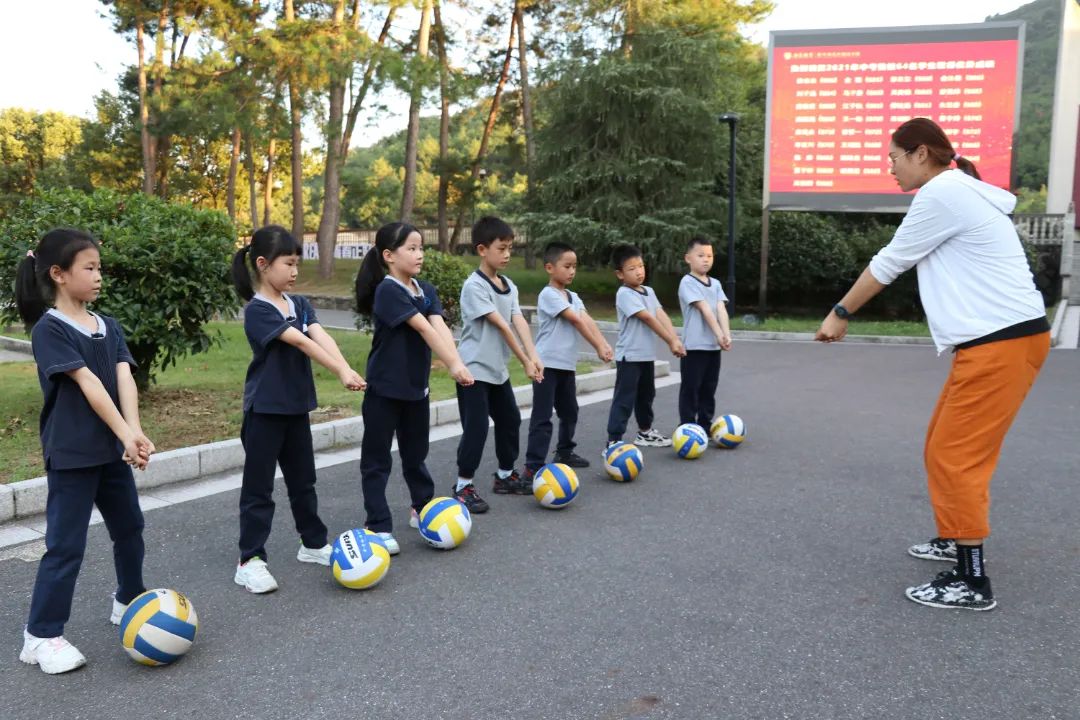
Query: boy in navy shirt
point(705, 333)
point(561, 321)
point(641, 320)
point(490, 314)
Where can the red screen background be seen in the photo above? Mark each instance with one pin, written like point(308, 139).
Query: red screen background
point(835, 107)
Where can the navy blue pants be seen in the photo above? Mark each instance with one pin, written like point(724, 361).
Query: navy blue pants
point(558, 392)
point(383, 419)
point(72, 495)
point(635, 390)
point(271, 440)
point(475, 404)
point(697, 392)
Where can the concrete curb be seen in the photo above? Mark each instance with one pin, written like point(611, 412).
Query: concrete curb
point(16, 345)
point(1059, 322)
point(27, 497)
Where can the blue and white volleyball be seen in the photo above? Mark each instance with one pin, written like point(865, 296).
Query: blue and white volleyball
point(555, 485)
point(689, 441)
point(623, 461)
point(158, 627)
point(445, 523)
point(728, 431)
point(360, 559)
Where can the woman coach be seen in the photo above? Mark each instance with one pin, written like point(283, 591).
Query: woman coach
point(981, 303)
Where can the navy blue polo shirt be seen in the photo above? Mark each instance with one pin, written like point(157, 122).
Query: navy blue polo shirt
point(279, 380)
point(72, 434)
point(400, 361)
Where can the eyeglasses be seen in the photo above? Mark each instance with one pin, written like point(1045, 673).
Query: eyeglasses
point(892, 160)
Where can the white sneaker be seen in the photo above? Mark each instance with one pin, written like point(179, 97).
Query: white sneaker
point(118, 610)
point(319, 556)
point(255, 577)
point(53, 655)
point(414, 518)
point(391, 544)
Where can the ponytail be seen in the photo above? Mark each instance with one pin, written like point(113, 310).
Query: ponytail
point(966, 166)
point(34, 288)
point(373, 269)
point(241, 275)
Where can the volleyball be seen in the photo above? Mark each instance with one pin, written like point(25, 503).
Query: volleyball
point(689, 441)
point(555, 485)
point(728, 431)
point(445, 523)
point(360, 559)
point(623, 461)
point(158, 627)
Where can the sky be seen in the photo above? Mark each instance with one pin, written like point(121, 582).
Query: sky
point(81, 55)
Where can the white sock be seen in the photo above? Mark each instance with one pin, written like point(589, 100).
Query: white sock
point(463, 483)
point(503, 474)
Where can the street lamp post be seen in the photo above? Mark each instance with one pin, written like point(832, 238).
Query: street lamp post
point(731, 120)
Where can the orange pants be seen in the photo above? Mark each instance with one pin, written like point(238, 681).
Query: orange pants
point(985, 389)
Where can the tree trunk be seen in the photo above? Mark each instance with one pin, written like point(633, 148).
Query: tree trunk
point(164, 145)
point(144, 113)
point(268, 185)
point(444, 130)
point(492, 114)
point(234, 166)
point(297, 156)
point(527, 114)
point(249, 167)
point(408, 193)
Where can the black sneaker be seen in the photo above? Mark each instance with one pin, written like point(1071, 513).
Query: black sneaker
point(936, 549)
point(651, 438)
point(572, 459)
point(952, 592)
point(513, 485)
point(470, 499)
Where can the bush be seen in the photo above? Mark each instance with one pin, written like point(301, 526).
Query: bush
point(447, 273)
point(166, 267)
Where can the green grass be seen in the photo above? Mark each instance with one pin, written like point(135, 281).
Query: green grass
point(197, 401)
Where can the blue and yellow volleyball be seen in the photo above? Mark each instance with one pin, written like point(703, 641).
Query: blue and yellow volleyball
point(445, 523)
point(689, 441)
point(623, 461)
point(728, 431)
point(555, 485)
point(158, 627)
point(360, 559)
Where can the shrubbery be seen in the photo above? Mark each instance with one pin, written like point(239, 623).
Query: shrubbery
point(165, 267)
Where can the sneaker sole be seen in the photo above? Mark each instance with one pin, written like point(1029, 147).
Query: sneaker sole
point(929, 603)
point(253, 591)
point(652, 443)
point(31, 660)
point(928, 556)
point(313, 561)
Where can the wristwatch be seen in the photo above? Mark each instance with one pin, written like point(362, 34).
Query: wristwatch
point(841, 311)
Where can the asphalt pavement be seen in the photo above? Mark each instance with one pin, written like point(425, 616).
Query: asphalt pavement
point(765, 582)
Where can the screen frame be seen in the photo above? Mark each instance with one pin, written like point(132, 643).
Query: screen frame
point(878, 202)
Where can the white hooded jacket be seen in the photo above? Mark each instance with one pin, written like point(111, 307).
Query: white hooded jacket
point(973, 274)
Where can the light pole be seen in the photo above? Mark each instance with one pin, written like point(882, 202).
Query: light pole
point(731, 120)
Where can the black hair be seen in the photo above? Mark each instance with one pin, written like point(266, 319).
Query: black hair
point(488, 229)
point(35, 291)
point(622, 253)
point(270, 242)
point(373, 269)
point(697, 240)
point(555, 250)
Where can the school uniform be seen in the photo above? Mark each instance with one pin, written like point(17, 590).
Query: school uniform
point(83, 461)
point(700, 369)
point(635, 355)
point(279, 392)
point(557, 346)
point(486, 354)
point(396, 400)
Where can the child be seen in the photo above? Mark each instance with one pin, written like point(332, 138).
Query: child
point(489, 306)
point(640, 317)
point(705, 333)
point(562, 318)
point(279, 392)
point(90, 433)
point(408, 326)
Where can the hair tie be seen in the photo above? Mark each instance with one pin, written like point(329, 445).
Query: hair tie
point(956, 156)
point(30, 254)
